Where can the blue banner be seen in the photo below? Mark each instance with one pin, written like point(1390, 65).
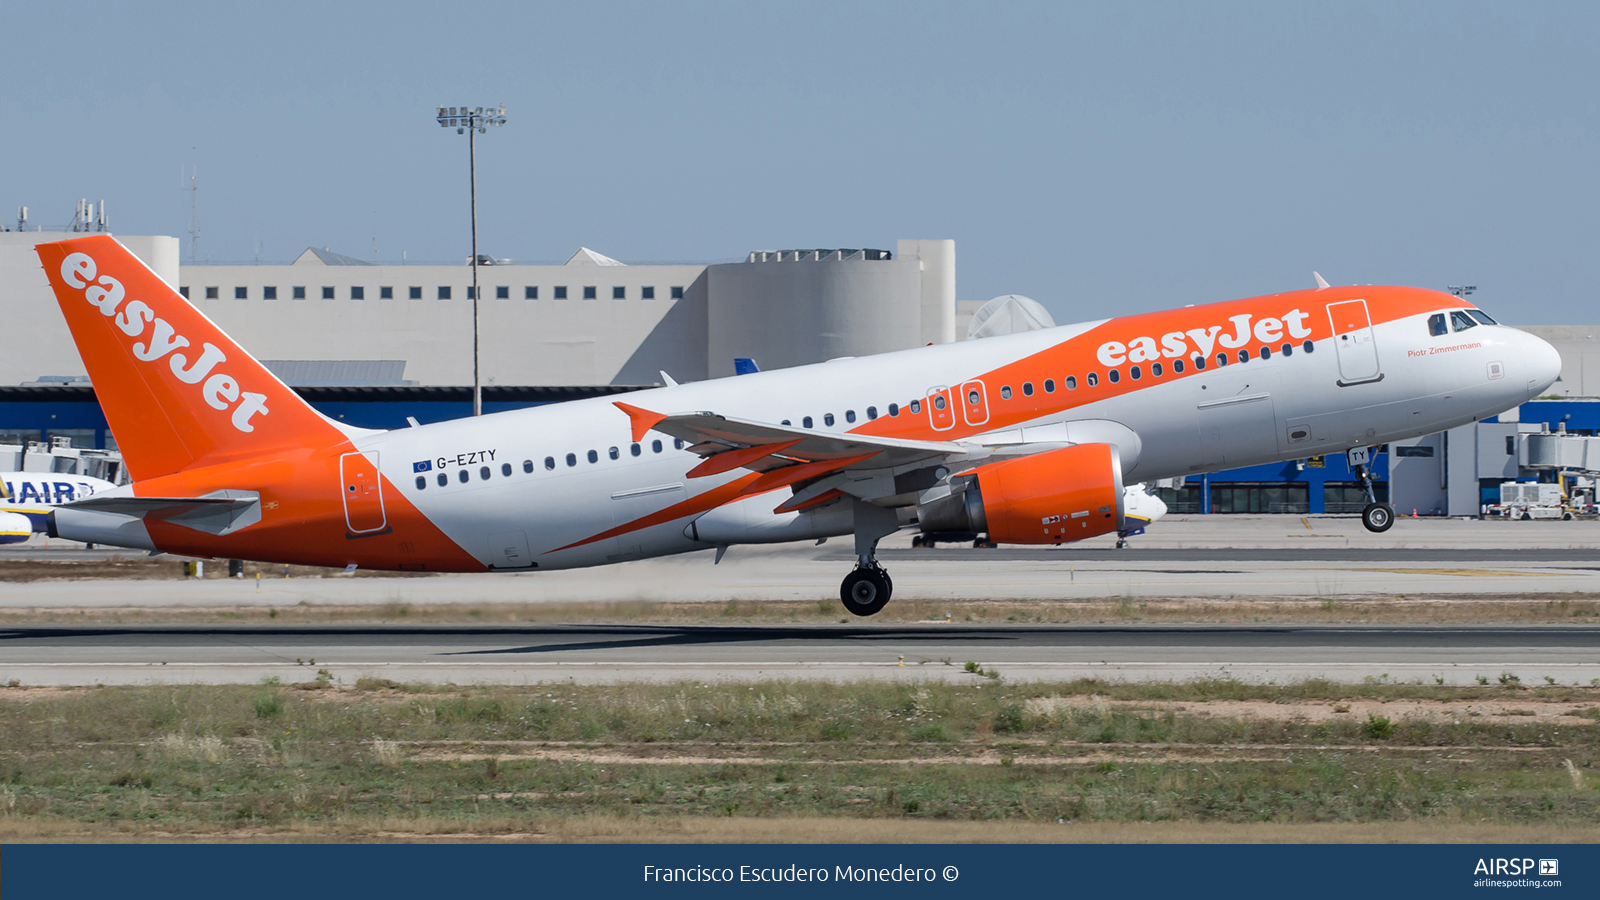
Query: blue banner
point(399, 872)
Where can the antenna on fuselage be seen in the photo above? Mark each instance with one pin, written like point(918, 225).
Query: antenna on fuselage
point(1321, 282)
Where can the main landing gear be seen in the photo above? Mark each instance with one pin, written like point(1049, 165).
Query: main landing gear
point(868, 587)
point(1375, 517)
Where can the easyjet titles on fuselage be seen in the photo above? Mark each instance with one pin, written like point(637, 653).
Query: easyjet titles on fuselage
point(1175, 344)
point(220, 390)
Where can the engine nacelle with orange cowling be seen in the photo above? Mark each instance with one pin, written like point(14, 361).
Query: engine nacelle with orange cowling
point(1048, 498)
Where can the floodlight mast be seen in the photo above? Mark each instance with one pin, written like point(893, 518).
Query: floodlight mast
point(473, 121)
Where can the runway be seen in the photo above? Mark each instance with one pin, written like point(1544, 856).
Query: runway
point(609, 653)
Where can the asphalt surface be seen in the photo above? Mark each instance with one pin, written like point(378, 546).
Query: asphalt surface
point(604, 653)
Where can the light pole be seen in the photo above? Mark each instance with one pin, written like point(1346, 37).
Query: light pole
point(474, 121)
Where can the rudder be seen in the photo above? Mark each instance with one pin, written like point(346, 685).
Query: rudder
point(174, 388)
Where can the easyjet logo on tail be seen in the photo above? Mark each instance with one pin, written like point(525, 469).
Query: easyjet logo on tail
point(1175, 344)
point(220, 390)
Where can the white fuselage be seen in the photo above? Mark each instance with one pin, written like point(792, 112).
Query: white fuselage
point(1282, 408)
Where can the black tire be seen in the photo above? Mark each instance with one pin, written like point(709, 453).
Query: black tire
point(865, 591)
point(1377, 517)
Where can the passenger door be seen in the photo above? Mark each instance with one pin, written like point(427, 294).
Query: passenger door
point(363, 492)
point(1353, 342)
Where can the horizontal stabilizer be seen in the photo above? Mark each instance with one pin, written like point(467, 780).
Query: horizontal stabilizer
point(219, 512)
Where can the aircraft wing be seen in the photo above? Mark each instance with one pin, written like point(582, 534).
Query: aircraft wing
point(814, 463)
point(711, 435)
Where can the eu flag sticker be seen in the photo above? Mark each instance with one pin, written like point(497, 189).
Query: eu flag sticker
point(424, 466)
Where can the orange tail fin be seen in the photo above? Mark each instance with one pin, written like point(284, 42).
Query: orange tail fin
point(174, 389)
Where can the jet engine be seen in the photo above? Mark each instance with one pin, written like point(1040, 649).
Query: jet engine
point(1047, 498)
point(14, 528)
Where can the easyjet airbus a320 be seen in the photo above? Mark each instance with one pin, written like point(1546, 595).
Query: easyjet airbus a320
point(1027, 438)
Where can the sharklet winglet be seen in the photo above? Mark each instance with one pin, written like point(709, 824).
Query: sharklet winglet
point(643, 419)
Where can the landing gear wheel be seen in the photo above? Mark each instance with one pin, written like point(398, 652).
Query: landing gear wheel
point(1377, 517)
point(865, 591)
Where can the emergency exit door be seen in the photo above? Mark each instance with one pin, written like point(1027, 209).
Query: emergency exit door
point(941, 412)
point(363, 492)
point(1353, 342)
point(975, 403)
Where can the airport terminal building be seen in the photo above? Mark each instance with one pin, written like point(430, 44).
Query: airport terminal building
point(371, 344)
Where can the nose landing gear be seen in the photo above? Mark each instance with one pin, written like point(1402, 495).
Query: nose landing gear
point(1375, 517)
point(868, 587)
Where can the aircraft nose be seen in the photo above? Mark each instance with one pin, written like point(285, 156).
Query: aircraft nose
point(1543, 365)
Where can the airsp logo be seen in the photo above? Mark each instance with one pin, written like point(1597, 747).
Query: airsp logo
point(220, 390)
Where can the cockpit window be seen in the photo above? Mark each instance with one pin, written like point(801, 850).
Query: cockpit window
point(1481, 316)
point(1436, 325)
point(1461, 321)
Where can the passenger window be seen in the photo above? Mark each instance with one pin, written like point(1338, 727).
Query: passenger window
point(1266, 352)
point(422, 482)
point(614, 453)
point(849, 415)
point(786, 421)
point(916, 407)
point(1115, 375)
point(806, 422)
point(1005, 392)
point(593, 456)
point(938, 401)
point(1177, 367)
point(1462, 321)
point(1155, 369)
point(443, 479)
point(1071, 383)
point(827, 419)
point(1135, 373)
point(1288, 349)
point(1027, 389)
point(572, 459)
point(872, 413)
point(1244, 356)
point(527, 466)
point(1093, 380)
point(463, 477)
point(655, 446)
point(1222, 360)
point(1308, 346)
point(505, 469)
point(1049, 385)
point(483, 473)
point(677, 443)
point(1436, 325)
point(1481, 316)
point(634, 449)
point(549, 462)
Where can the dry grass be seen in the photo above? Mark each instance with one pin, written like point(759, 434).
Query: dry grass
point(797, 761)
point(805, 830)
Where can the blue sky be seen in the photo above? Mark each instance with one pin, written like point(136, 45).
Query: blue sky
point(1099, 158)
